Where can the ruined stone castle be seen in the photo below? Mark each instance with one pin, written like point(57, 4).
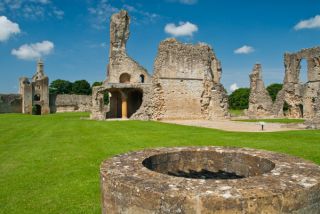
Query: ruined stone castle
point(35, 92)
point(34, 97)
point(185, 83)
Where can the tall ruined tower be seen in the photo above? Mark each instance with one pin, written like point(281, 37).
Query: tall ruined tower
point(35, 92)
point(260, 102)
point(122, 68)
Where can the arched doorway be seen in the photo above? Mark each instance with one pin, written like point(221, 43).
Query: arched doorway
point(115, 105)
point(124, 78)
point(36, 109)
point(134, 101)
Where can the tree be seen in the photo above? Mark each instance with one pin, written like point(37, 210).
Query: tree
point(60, 86)
point(273, 90)
point(239, 99)
point(97, 84)
point(81, 87)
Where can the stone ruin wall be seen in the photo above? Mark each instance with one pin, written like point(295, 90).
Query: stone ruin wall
point(260, 102)
point(300, 97)
point(185, 84)
point(186, 74)
point(10, 103)
point(119, 61)
point(70, 103)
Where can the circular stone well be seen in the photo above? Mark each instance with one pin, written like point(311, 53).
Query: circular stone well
point(209, 180)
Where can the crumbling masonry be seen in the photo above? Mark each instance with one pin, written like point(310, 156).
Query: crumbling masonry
point(185, 84)
point(296, 99)
point(260, 102)
point(300, 98)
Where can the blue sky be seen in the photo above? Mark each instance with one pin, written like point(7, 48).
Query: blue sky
point(72, 36)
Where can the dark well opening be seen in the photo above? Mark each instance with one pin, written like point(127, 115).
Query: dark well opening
point(208, 165)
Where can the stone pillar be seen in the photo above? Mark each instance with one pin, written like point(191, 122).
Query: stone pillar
point(124, 106)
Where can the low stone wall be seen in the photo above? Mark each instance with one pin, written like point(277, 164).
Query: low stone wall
point(70, 103)
point(10, 103)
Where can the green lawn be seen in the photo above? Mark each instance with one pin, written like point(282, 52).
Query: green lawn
point(236, 113)
point(282, 120)
point(50, 164)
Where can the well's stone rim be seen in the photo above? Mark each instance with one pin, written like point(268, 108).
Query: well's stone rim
point(293, 186)
point(289, 173)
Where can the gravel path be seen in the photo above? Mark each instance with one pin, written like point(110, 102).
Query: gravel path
point(229, 125)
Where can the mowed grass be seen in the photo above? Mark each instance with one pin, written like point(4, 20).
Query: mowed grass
point(236, 112)
point(280, 120)
point(50, 164)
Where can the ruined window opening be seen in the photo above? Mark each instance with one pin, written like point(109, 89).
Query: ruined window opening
point(142, 78)
point(36, 97)
point(125, 78)
point(303, 77)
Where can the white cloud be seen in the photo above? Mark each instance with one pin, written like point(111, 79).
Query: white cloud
point(100, 13)
point(7, 28)
point(233, 87)
point(244, 50)
point(43, 1)
point(31, 9)
point(58, 13)
point(102, 10)
point(184, 29)
point(140, 16)
point(33, 51)
point(313, 22)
